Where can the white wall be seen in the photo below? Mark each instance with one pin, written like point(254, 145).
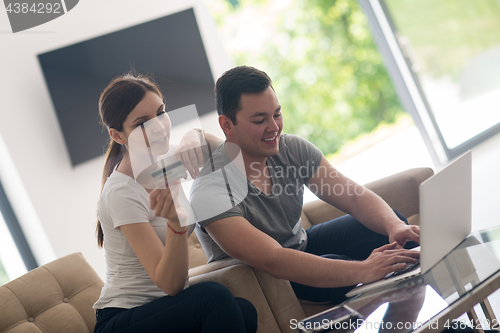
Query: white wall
point(55, 202)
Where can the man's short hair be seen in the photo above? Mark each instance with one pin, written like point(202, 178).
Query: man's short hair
point(233, 83)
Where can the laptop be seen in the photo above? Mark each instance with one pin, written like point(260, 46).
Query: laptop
point(445, 219)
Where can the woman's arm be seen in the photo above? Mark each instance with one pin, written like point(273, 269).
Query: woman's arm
point(168, 264)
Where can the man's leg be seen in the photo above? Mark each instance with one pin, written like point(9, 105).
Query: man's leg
point(343, 238)
point(346, 236)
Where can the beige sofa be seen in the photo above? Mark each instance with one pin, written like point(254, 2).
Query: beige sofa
point(58, 296)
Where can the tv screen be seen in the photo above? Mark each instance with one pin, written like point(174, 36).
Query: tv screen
point(169, 48)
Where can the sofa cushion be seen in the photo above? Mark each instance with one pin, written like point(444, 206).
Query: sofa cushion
point(400, 191)
point(306, 224)
point(197, 256)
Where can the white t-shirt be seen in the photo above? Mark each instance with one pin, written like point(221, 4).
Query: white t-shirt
point(124, 201)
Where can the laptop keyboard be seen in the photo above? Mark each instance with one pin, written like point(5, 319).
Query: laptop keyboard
point(409, 267)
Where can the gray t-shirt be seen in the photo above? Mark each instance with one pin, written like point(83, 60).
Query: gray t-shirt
point(277, 214)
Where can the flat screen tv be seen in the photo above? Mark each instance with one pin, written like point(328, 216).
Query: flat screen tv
point(169, 48)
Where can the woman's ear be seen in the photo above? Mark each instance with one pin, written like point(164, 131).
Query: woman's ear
point(226, 124)
point(117, 136)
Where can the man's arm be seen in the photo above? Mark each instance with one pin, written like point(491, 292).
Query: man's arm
point(241, 240)
point(367, 207)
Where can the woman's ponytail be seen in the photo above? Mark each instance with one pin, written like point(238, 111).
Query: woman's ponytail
point(114, 155)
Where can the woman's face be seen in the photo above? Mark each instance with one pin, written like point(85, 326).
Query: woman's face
point(148, 126)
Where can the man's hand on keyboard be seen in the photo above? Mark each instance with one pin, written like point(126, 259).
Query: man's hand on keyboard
point(402, 233)
point(408, 268)
point(386, 259)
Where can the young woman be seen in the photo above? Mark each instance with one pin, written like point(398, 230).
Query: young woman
point(144, 235)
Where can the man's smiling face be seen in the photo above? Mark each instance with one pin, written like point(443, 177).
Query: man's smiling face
point(259, 123)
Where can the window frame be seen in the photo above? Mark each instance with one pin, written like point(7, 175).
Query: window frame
point(16, 232)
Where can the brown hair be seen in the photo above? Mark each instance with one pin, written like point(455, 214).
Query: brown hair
point(234, 82)
point(116, 102)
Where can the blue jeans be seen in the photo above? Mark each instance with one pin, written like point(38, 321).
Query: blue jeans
point(204, 307)
point(343, 238)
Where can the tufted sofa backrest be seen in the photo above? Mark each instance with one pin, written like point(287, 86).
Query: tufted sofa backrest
point(56, 297)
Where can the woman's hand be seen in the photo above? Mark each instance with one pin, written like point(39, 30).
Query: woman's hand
point(189, 152)
point(386, 259)
point(162, 201)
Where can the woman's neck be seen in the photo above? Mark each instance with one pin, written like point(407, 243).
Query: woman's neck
point(125, 166)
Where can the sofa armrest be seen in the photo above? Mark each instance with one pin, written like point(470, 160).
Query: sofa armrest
point(281, 299)
point(400, 191)
point(273, 298)
point(241, 282)
point(214, 266)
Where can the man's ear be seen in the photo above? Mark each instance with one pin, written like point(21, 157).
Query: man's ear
point(117, 136)
point(226, 124)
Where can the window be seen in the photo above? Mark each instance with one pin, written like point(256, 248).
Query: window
point(443, 58)
point(16, 257)
point(326, 69)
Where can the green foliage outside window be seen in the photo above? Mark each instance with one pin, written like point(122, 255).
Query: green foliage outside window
point(327, 72)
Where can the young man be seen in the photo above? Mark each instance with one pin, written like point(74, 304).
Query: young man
point(262, 226)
